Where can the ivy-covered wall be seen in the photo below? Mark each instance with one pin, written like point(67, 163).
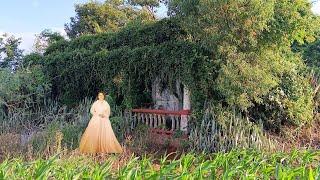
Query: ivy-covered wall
point(126, 63)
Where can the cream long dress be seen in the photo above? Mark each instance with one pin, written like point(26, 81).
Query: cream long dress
point(99, 136)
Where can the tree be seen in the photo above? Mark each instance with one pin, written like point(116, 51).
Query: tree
point(26, 88)
point(110, 16)
point(44, 39)
point(149, 5)
point(251, 43)
point(10, 54)
point(311, 55)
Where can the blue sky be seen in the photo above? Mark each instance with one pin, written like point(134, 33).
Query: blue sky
point(25, 18)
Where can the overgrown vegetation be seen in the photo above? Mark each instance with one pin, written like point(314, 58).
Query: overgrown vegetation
point(223, 55)
point(250, 67)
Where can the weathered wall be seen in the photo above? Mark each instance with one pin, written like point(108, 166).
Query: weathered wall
point(164, 98)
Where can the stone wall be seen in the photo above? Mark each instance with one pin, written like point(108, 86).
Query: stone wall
point(165, 98)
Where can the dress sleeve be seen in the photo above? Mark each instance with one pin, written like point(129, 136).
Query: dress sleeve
point(108, 111)
point(92, 109)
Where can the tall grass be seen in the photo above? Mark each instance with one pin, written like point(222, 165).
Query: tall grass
point(47, 129)
point(223, 131)
point(22, 119)
point(43, 129)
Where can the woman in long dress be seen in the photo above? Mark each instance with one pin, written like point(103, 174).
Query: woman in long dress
point(99, 136)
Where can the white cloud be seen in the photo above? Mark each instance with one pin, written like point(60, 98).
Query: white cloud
point(316, 7)
point(27, 39)
point(59, 30)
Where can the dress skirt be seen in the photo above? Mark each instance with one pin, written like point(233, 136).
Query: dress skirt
point(99, 137)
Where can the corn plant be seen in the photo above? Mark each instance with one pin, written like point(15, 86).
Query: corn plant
point(235, 164)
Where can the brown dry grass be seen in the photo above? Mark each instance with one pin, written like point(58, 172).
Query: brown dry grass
point(10, 145)
point(292, 137)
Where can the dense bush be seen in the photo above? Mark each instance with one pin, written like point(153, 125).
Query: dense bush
point(26, 88)
point(310, 53)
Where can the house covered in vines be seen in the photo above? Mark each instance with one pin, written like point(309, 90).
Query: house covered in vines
point(154, 69)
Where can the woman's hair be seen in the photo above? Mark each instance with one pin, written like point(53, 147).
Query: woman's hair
point(101, 92)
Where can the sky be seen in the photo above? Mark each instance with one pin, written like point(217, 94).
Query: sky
point(25, 18)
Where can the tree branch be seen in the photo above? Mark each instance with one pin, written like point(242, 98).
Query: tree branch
point(316, 90)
